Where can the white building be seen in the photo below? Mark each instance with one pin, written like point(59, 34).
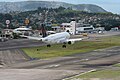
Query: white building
point(56, 28)
point(71, 27)
point(75, 28)
point(84, 28)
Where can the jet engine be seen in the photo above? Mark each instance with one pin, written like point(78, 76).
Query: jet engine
point(71, 42)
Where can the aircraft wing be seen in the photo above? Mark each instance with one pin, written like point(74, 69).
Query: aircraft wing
point(34, 38)
point(76, 39)
point(31, 37)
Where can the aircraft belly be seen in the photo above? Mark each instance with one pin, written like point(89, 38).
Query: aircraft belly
point(50, 42)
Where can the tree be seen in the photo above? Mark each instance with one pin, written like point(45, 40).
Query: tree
point(8, 17)
point(107, 28)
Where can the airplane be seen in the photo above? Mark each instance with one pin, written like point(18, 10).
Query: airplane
point(62, 37)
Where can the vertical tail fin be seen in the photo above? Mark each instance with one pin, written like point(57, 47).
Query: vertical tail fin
point(43, 30)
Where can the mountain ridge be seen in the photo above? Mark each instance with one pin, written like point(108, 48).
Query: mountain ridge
point(33, 5)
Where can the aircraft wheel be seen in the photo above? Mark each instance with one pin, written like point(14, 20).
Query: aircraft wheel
point(64, 46)
point(48, 45)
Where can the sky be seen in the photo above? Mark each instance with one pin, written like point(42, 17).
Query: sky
point(109, 5)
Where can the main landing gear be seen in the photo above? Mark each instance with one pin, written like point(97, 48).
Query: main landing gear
point(64, 46)
point(48, 45)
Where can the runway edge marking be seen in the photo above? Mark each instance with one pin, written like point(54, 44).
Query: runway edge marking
point(80, 74)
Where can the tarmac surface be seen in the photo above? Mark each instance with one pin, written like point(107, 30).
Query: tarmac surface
point(62, 67)
point(19, 43)
point(15, 65)
point(94, 59)
point(34, 74)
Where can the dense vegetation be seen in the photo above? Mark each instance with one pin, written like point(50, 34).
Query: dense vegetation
point(58, 16)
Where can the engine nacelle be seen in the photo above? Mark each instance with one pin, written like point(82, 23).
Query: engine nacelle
point(71, 42)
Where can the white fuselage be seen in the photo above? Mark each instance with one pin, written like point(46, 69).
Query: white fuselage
point(56, 38)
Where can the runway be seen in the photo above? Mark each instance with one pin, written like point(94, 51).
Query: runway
point(98, 58)
point(19, 43)
point(75, 64)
